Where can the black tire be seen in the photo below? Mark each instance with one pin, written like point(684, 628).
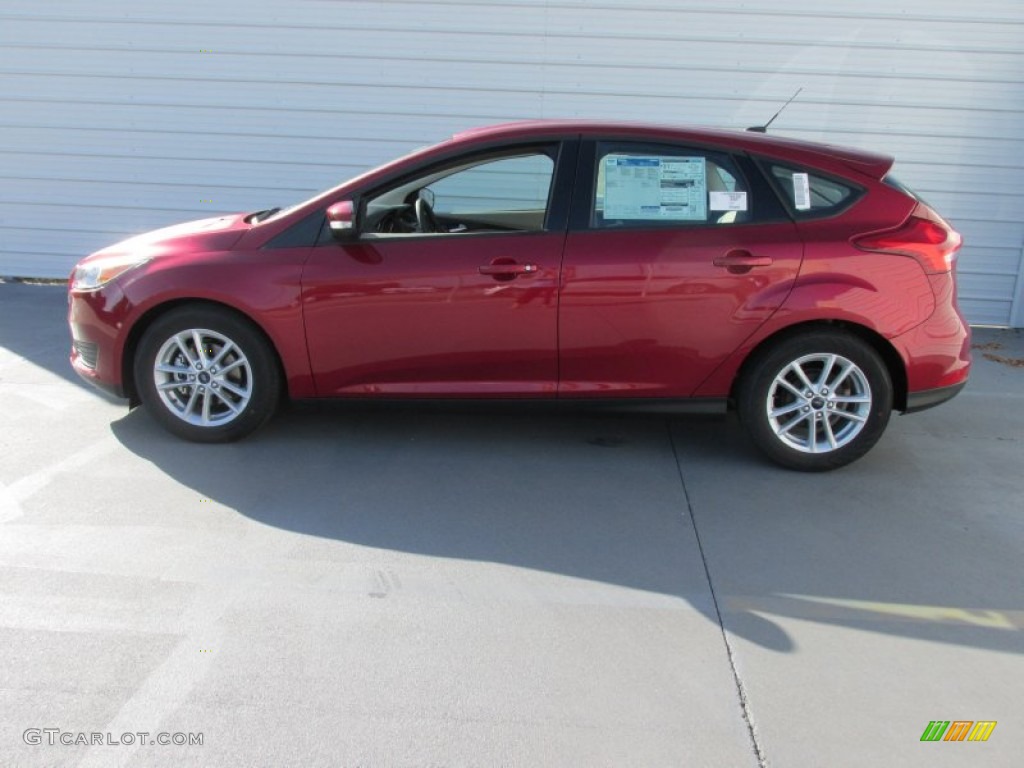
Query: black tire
point(227, 390)
point(846, 422)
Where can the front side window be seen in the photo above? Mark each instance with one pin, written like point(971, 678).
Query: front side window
point(507, 193)
point(657, 185)
point(517, 183)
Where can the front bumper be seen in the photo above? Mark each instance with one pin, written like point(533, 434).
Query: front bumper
point(95, 319)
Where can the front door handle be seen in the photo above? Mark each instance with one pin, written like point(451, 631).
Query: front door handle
point(506, 269)
point(740, 261)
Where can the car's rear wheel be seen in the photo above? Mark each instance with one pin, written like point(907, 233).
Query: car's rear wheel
point(207, 375)
point(816, 401)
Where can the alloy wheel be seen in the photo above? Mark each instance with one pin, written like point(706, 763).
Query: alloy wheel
point(819, 403)
point(203, 377)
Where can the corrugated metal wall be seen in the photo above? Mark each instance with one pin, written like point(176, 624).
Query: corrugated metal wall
point(122, 116)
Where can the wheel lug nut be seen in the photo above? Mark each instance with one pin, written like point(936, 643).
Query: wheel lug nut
point(192, 377)
point(807, 408)
point(824, 391)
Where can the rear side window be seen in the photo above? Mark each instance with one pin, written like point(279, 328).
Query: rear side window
point(640, 185)
point(810, 194)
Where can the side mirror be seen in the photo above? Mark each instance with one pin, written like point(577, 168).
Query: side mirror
point(341, 218)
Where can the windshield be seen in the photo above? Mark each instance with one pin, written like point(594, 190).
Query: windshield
point(271, 214)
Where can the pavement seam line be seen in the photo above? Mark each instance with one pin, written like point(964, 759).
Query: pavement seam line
point(741, 692)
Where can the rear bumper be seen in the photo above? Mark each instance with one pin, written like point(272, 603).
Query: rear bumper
point(936, 353)
point(929, 398)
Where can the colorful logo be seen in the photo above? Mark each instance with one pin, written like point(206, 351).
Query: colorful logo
point(958, 730)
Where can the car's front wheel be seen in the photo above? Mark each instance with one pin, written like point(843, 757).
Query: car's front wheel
point(816, 401)
point(206, 374)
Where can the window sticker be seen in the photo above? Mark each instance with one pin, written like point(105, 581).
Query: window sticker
point(727, 201)
point(801, 191)
point(653, 187)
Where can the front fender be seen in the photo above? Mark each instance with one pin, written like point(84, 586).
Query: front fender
point(266, 290)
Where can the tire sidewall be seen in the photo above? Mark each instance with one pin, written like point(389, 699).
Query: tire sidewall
point(266, 379)
point(753, 396)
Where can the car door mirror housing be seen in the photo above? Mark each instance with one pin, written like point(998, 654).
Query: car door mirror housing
point(341, 218)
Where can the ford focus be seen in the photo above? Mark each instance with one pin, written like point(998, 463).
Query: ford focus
point(639, 266)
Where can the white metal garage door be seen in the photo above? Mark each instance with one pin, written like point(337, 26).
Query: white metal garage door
point(123, 115)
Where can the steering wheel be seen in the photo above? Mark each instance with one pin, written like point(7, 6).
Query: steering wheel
point(426, 221)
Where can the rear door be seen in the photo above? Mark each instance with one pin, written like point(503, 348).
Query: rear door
point(675, 255)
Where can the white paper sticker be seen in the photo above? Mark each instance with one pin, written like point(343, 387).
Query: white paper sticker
point(727, 201)
point(801, 191)
point(653, 187)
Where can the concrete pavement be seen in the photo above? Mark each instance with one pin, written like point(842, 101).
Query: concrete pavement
point(403, 587)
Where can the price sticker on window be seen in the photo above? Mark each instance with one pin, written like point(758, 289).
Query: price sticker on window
point(801, 191)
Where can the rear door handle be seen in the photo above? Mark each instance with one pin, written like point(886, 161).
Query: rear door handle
point(508, 270)
point(741, 261)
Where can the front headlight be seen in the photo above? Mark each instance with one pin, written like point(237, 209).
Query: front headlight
point(93, 274)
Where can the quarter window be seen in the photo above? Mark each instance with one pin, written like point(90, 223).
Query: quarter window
point(810, 194)
point(659, 185)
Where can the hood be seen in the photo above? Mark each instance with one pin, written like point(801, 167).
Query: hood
point(219, 233)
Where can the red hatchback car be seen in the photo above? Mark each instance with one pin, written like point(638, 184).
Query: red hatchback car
point(646, 266)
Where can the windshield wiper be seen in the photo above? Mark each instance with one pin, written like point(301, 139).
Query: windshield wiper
point(259, 216)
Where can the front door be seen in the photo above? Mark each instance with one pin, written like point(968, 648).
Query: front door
point(451, 288)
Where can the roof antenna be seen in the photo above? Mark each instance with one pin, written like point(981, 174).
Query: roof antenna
point(764, 128)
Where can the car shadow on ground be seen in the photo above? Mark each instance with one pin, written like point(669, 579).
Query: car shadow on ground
point(594, 497)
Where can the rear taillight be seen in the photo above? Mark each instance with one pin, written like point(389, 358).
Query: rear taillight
point(925, 236)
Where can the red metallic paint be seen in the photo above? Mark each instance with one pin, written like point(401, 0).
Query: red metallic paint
point(647, 313)
point(938, 351)
point(415, 316)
